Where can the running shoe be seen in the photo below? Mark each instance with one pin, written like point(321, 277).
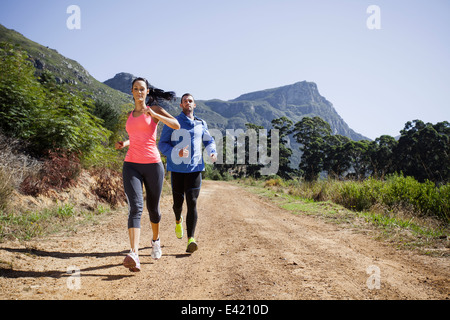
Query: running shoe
point(131, 262)
point(179, 229)
point(192, 245)
point(156, 249)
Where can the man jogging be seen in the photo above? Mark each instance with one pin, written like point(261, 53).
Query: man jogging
point(183, 149)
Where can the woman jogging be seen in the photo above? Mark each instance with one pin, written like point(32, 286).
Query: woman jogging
point(143, 165)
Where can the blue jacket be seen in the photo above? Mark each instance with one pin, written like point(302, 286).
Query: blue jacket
point(192, 134)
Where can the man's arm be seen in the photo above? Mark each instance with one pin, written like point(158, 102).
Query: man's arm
point(165, 141)
point(209, 143)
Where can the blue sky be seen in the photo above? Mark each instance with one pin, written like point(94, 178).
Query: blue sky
point(377, 79)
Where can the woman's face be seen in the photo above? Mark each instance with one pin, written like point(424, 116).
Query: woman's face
point(140, 91)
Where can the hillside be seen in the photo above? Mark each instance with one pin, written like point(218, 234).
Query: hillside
point(65, 70)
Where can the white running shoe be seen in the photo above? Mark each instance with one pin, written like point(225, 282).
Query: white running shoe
point(156, 249)
point(131, 262)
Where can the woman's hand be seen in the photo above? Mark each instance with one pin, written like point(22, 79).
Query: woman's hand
point(158, 113)
point(149, 111)
point(121, 144)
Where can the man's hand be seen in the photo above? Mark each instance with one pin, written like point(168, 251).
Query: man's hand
point(184, 153)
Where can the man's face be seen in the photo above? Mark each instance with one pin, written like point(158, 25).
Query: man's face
point(188, 104)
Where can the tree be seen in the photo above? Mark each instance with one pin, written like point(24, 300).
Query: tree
point(423, 151)
point(21, 96)
point(113, 119)
point(382, 155)
point(312, 133)
point(358, 153)
point(252, 169)
point(285, 127)
point(336, 161)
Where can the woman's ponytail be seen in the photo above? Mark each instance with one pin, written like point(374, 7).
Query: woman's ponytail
point(155, 94)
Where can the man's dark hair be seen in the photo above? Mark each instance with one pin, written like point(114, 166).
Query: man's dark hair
point(185, 95)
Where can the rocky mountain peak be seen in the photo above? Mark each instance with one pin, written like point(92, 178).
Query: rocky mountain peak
point(299, 93)
point(121, 81)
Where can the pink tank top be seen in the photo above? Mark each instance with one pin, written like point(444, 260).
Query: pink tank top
point(142, 135)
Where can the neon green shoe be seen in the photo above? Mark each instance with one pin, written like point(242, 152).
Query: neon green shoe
point(192, 245)
point(179, 229)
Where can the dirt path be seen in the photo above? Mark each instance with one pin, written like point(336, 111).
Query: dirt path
point(249, 249)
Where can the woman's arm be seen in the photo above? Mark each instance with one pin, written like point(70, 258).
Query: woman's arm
point(160, 114)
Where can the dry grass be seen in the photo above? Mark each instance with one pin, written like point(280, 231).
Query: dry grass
point(41, 197)
point(15, 166)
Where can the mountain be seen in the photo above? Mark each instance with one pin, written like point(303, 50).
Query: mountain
point(64, 69)
point(293, 101)
point(122, 82)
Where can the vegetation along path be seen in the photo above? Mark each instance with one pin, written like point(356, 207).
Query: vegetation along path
point(248, 249)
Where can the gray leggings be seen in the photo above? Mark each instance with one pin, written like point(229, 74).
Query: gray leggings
point(152, 176)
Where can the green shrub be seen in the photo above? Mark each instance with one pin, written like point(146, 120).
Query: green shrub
point(355, 196)
point(48, 115)
point(394, 193)
point(425, 198)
